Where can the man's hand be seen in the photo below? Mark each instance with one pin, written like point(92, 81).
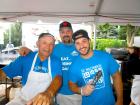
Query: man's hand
point(46, 97)
point(41, 99)
point(23, 51)
point(87, 90)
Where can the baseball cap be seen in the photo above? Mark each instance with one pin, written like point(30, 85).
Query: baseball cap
point(79, 34)
point(65, 24)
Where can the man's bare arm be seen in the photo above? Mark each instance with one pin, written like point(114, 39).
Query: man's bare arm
point(74, 87)
point(2, 75)
point(54, 86)
point(85, 90)
point(118, 85)
point(23, 51)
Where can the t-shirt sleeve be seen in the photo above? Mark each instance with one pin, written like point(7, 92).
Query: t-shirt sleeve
point(14, 68)
point(55, 52)
point(113, 65)
point(57, 67)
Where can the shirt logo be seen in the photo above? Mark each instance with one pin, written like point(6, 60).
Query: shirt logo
point(74, 53)
point(40, 68)
point(89, 74)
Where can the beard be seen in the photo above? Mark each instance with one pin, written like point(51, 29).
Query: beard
point(84, 54)
point(66, 39)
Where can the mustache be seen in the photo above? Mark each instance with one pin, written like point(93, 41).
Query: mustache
point(66, 36)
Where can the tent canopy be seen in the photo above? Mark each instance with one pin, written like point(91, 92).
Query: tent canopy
point(75, 11)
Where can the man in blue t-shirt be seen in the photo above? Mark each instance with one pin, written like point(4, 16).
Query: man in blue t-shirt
point(66, 52)
point(41, 74)
point(92, 70)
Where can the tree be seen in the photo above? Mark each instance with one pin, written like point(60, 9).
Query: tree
point(122, 32)
point(107, 31)
point(131, 32)
point(16, 34)
point(127, 32)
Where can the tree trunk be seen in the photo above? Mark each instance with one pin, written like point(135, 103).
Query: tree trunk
point(131, 33)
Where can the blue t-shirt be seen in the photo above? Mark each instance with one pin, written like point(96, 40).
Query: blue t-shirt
point(22, 66)
point(66, 53)
point(83, 71)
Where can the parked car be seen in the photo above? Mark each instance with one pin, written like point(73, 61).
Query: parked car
point(10, 50)
point(118, 53)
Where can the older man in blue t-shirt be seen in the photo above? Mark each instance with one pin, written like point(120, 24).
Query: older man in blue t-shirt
point(40, 72)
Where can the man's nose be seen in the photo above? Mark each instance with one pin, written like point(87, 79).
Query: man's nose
point(47, 46)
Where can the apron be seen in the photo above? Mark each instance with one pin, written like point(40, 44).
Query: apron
point(37, 82)
point(135, 91)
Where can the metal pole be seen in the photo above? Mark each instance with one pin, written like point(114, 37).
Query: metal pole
point(94, 33)
point(9, 36)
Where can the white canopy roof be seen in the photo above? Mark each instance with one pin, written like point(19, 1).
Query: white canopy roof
point(75, 11)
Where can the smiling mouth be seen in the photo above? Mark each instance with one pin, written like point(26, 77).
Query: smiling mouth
point(82, 49)
point(46, 51)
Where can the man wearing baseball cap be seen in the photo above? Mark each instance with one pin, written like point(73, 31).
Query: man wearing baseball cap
point(66, 51)
point(94, 90)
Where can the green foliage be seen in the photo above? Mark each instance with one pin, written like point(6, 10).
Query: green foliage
point(101, 44)
point(127, 32)
point(16, 34)
point(138, 33)
point(107, 31)
point(122, 32)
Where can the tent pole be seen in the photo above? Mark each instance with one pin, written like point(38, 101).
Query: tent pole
point(94, 34)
